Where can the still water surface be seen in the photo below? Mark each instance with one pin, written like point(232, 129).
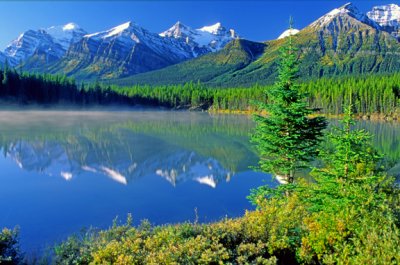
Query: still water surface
point(61, 171)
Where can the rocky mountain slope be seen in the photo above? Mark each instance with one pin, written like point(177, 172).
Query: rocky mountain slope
point(124, 50)
point(45, 45)
point(204, 40)
point(342, 42)
point(236, 55)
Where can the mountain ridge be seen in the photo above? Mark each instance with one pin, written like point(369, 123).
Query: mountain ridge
point(343, 41)
point(126, 49)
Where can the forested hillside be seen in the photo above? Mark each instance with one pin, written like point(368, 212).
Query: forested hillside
point(343, 42)
point(373, 94)
point(379, 94)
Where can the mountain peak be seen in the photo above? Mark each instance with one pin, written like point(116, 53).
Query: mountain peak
point(70, 26)
point(349, 6)
point(388, 17)
point(179, 24)
point(385, 15)
point(202, 40)
point(65, 34)
point(119, 29)
point(213, 29)
point(348, 9)
point(115, 31)
point(177, 30)
point(64, 28)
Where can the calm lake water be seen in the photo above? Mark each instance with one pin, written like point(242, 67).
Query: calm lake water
point(62, 171)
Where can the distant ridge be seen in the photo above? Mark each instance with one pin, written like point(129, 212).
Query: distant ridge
point(344, 41)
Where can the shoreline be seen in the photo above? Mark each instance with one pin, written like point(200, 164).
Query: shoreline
point(358, 116)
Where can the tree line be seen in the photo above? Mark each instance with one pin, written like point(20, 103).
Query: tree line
point(373, 94)
point(45, 89)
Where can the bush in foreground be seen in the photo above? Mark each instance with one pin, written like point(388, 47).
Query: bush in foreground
point(9, 250)
point(235, 241)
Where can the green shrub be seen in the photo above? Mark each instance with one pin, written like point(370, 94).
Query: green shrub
point(9, 249)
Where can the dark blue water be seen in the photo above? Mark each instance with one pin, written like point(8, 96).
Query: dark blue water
point(64, 171)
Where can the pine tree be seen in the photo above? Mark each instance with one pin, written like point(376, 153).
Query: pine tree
point(287, 138)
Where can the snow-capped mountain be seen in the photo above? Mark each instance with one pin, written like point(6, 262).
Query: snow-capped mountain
point(129, 34)
point(348, 10)
point(31, 42)
point(128, 49)
point(66, 35)
point(388, 17)
point(342, 42)
point(203, 40)
point(123, 50)
point(288, 32)
point(52, 43)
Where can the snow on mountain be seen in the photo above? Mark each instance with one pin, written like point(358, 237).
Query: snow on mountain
point(388, 17)
point(213, 29)
point(288, 32)
point(130, 34)
point(178, 30)
point(116, 31)
point(177, 44)
point(66, 34)
point(206, 39)
point(30, 42)
point(53, 42)
point(123, 50)
point(348, 9)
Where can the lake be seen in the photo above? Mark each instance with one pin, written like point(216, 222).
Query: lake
point(62, 171)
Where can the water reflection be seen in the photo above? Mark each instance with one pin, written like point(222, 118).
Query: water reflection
point(125, 146)
point(61, 171)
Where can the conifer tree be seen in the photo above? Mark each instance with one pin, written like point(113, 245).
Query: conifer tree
point(286, 138)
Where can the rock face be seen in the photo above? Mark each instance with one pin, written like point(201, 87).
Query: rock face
point(123, 50)
point(347, 10)
point(342, 42)
point(120, 51)
point(345, 41)
point(204, 40)
point(49, 44)
point(388, 17)
point(2, 58)
point(129, 49)
point(66, 35)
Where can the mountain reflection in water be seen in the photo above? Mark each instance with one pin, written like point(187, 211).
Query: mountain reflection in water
point(126, 146)
point(65, 170)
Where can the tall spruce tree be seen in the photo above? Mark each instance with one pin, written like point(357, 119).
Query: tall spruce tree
point(286, 138)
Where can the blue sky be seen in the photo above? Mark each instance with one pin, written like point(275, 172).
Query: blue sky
point(255, 20)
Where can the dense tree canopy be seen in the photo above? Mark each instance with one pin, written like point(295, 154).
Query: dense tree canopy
point(286, 138)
